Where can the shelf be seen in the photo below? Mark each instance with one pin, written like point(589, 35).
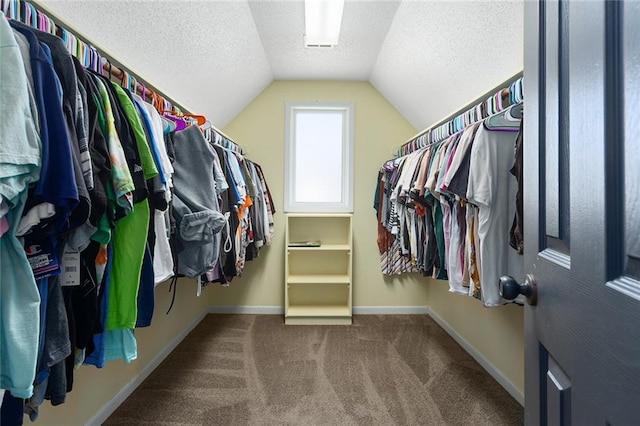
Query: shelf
point(318, 284)
point(318, 279)
point(318, 311)
point(319, 215)
point(317, 320)
point(336, 247)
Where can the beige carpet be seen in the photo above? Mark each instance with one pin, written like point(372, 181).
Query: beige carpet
point(382, 370)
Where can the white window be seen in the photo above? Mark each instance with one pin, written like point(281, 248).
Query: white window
point(319, 157)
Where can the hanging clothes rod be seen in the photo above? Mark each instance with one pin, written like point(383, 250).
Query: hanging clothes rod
point(462, 117)
point(144, 91)
point(34, 13)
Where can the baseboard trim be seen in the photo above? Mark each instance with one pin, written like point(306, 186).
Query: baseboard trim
point(390, 310)
point(484, 362)
point(258, 310)
point(357, 310)
point(108, 409)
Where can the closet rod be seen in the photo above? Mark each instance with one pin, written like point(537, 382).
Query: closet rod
point(117, 69)
point(116, 66)
point(504, 87)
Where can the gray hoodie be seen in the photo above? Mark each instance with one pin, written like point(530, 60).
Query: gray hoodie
point(195, 206)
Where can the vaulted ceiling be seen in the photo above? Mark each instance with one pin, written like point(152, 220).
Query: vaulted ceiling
point(427, 58)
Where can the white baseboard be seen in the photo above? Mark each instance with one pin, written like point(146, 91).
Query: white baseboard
point(258, 310)
point(484, 362)
point(357, 310)
point(390, 310)
point(108, 409)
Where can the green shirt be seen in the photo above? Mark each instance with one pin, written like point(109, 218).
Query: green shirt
point(130, 235)
point(146, 158)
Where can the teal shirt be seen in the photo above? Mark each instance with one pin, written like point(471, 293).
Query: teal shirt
point(20, 162)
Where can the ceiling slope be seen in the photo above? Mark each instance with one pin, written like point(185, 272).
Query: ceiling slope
point(281, 28)
point(206, 55)
point(438, 56)
point(427, 58)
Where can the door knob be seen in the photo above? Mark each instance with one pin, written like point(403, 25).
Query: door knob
point(510, 289)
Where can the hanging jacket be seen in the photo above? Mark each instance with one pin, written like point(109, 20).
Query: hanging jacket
point(194, 205)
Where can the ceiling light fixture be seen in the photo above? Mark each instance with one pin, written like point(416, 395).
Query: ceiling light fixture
point(322, 20)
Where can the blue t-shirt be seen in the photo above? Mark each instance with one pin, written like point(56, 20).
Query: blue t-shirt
point(57, 184)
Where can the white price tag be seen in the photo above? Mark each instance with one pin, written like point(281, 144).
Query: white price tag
point(70, 267)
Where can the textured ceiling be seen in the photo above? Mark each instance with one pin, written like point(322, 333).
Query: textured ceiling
point(281, 28)
point(214, 57)
point(206, 55)
point(438, 56)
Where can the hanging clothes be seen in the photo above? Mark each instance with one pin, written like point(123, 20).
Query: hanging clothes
point(446, 211)
point(493, 190)
point(198, 221)
point(21, 162)
point(94, 194)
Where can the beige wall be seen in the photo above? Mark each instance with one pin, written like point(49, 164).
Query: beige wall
point(260, 128)
point(93, 388)
point(496, 333)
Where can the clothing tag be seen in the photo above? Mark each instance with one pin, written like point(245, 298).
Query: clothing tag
point(41, 254)
point(71, 264)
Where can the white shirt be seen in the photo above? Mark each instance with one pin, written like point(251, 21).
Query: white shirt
point(493, 189)
point(162, 258)
point(455, 256)
point(158, 136)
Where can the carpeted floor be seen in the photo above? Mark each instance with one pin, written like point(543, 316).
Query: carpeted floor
point(382, 370)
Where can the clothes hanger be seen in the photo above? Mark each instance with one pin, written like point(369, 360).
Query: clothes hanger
point(5, 6)
point(88, 56)
point(201, 120)
point(26, 13)
point(134, 88)
point(95, 59)
point(82, 52)
point(167, 125)
point(179, 122)
point(73, 45)
point(9, 9)
point(514, 112)
point(33, 14)
point(51, 25)
point(131, 81)
point(107, 65)
point(124, 82)
point(190, 119)
point(206, 125)
point(506, 120)
point(98, 60)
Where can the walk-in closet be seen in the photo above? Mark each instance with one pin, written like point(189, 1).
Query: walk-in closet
point(319, 212)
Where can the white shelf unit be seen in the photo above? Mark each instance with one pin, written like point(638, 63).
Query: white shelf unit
point(318, 280)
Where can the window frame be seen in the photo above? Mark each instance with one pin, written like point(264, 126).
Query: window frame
point(347, 111)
